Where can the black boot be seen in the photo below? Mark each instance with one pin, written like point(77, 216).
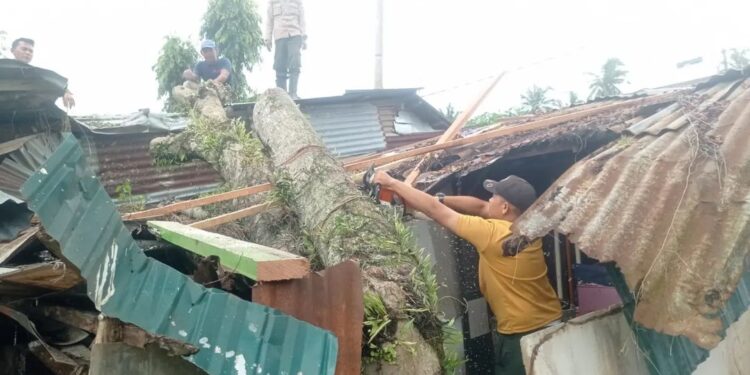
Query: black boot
point(293, 80)
point(281, 82)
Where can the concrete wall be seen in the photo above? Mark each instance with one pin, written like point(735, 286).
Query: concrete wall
point(731, 356)
point(121, 359)
point(597, 343)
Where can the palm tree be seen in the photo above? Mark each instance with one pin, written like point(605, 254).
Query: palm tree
point(739, 59)
point(450, 112)
point(573, 99)
point(605, 85)
point(535, 100)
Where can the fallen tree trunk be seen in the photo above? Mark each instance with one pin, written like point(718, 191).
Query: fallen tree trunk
point(339, 223)
point(213, 137)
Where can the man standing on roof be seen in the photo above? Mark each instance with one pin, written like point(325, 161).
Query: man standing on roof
point(512, 276)
point(212, 68)
point(23, 51)
point(286, 27)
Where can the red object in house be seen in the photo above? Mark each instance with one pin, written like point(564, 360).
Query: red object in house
point(593, 297)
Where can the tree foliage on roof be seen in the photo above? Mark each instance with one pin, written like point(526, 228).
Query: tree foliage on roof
point(176, 55)
point(235, 27)
point(605, 84)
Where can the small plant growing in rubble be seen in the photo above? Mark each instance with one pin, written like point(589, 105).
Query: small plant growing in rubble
point(376, 324)
point(126, 200)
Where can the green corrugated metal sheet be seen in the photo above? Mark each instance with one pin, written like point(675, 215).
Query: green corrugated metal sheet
point(670, 355)
point(235, 336)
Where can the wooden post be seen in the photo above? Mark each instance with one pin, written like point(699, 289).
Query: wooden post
point(456, 127)
point(379, 46)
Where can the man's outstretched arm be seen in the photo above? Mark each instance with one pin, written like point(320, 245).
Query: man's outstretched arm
point(467, 205)
point(420, 201)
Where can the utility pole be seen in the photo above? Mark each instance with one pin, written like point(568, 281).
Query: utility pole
point(379, 46)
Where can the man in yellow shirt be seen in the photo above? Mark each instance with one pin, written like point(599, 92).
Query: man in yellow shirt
point(512, 276)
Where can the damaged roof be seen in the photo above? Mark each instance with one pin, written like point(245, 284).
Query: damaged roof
point(408, 96)
point(571, 136)
point(28, 89)
point(143, 121)
point(668, 204)
point(234, 336)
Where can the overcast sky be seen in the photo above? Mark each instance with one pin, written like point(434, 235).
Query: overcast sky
point(448, 47)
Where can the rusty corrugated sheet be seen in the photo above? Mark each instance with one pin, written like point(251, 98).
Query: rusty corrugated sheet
point(234, 336)
point(22, 157)
point(467, 159)
point(671, 206)
point(332, 300)
point(126, 157)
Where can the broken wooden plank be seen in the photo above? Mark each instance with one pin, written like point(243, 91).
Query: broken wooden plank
point(127, 333)
point(108, 330)
point(255, 261)
point(78, 353)
point(185, 205)
point(510, 130)
point(30, 327)
point(9, 249)
point(455, 128)
point(55, 360)
point(332, 300)
point(51, 276)
point(232, 216)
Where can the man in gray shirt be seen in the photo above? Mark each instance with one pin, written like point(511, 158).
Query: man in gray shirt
point(286, 27)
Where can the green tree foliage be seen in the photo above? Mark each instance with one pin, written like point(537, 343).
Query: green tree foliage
point(535, 100)
point(485, 119)
point(573, 99)
point(605, 84)
point(450, 113)
point(736, 59)
point(176, 55)
point(235, 27)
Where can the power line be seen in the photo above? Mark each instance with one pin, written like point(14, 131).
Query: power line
point(516, 69)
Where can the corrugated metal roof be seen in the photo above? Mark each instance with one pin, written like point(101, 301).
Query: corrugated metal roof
point(142, 121)
point(23, 157)
point(408, 98)
point(677, 355)
point(126, 157)
point(235, 336)
point(25, 88)
point(571, 135)
point(320, 299)
point(350, 124)
point(347, 129)
point(671, 206)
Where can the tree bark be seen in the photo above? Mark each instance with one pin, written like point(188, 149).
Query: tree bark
point(342, 223)
point(213, 137)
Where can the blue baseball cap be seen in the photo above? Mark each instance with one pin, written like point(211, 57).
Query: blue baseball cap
point(208, 43)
